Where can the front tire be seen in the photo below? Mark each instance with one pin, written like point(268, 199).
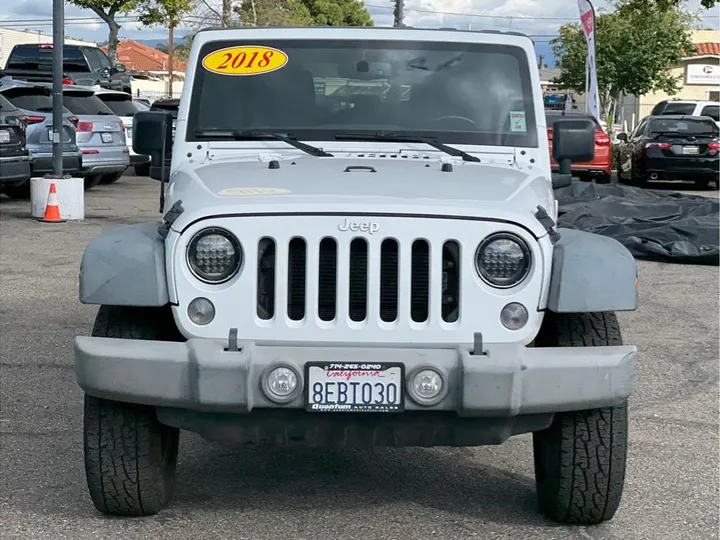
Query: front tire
point(130, 457)
point(91, 181)
point(580, 459)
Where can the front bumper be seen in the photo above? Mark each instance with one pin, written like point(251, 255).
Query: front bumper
point(507, 380)
point(94, 164)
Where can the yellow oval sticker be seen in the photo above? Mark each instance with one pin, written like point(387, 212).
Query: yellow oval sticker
point(245, 60)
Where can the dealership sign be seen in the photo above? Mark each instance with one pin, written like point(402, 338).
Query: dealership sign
point(703, 74)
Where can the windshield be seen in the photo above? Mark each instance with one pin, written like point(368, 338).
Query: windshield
point(120, 105)
point(85, 104)
point(687, 126)
point(454, 92)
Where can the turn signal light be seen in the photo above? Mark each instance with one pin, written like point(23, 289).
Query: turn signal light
point(714, 146)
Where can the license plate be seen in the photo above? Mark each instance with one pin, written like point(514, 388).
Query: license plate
point(4, 136)
point(364, 387)
point(690, 150)
point(106, 137)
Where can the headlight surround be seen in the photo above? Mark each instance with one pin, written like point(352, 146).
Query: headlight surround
point(503, 260)
point(214, 255)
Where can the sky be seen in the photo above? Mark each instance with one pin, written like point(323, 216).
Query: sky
point(539, 18)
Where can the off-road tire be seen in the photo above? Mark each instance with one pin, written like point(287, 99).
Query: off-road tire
point(91, 181)
point(142, 170)
point(110, 178)
point(130, 457)
point(18, 191)
point(580, 459)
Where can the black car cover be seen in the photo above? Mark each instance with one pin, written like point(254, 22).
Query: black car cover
point(654, 225)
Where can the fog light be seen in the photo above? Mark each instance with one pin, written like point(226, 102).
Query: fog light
point(201, 311)
point(514, 316)
point(280, 384)
point(427, 386)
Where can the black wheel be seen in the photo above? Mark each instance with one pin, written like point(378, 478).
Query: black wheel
point(580, 459)
point(603, 178)
point(91, 181)
point(637, 179)
point(130, 457)
point(702, 183)
point(18, 191)
point(110, 178)
point(142, 170)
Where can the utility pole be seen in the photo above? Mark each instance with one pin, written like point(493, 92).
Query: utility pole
point(171, 54)
point(399, 13)
point(58, 42)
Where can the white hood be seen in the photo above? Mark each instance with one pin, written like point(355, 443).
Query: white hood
point(397, 186)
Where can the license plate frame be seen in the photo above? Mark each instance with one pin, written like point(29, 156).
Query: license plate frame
point(106, 137)
point(362, 373)
point(690, 150)
point(4, 136)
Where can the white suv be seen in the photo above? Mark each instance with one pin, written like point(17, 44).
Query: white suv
point(689, 108)
point(359, 249)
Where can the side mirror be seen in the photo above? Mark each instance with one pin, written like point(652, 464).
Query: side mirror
point(120, 68)
point(573, 142)
point(622, 137)
point(152, 135)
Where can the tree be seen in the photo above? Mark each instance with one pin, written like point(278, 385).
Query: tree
point(303, 13)
point(107, 10)
point(181, 50)
point(168, 13)
point(670, 4)
point(636, 47)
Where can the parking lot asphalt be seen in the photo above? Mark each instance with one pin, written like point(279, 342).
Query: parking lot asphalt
point(672, 479)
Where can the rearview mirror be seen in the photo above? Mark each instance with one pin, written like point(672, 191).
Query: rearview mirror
point(573, 142)
point(622, 137)
point(152, 135)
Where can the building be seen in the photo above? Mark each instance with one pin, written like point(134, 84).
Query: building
point(10, 37)
point(699, 73)
point(149, 68)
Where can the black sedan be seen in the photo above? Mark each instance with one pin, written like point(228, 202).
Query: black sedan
point(15, 159)
point(670, 147)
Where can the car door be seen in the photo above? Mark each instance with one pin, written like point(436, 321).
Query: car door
point(627, 149)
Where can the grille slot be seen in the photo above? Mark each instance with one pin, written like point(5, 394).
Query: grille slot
point(420, 281)
point(450, 292)
point(327, 279)
point(358, 286)
point(389, 280)
point(297, 274)
point(266, 278)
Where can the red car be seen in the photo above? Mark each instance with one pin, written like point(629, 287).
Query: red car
point(601, 166)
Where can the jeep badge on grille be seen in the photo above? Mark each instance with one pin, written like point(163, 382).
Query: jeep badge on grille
point(364, 226)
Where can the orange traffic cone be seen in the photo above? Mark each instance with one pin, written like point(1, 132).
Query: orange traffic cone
point(52, 210)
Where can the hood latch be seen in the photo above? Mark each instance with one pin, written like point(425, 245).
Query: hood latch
point(169, 218)
point(546, 221)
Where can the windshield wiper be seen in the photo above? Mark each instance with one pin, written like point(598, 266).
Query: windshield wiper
point(399, 137)
point(240, 135)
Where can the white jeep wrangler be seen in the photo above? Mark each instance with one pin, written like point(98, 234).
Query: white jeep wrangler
point(359, 249)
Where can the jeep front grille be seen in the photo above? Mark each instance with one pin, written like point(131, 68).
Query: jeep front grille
point(354, 270)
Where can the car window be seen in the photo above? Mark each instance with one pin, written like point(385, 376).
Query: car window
point(85, 104)
point(658, 108)
point(690, 126)
point(73, 60)
point(640, 128)
point(6, 105)
point(678, 108)
point(466, 93)
point(120, 105)
point(141, 105)
point(713, 111)
point(23, 57)
point(32, 99)
point(97, 58)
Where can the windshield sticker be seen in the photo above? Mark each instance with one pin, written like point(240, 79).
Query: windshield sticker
point(245, 60)
point(517, 121)
point(252, 191)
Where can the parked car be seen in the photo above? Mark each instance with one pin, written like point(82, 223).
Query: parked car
point(100, 136)
point(670, 147)
point(122, 104)
point(15, 158)
point(82, 64)
point(600, 167)
point(35, 105)
point(688, 107)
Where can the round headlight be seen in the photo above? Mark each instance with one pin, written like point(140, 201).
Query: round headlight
point(214, 255)
point(503, 260)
